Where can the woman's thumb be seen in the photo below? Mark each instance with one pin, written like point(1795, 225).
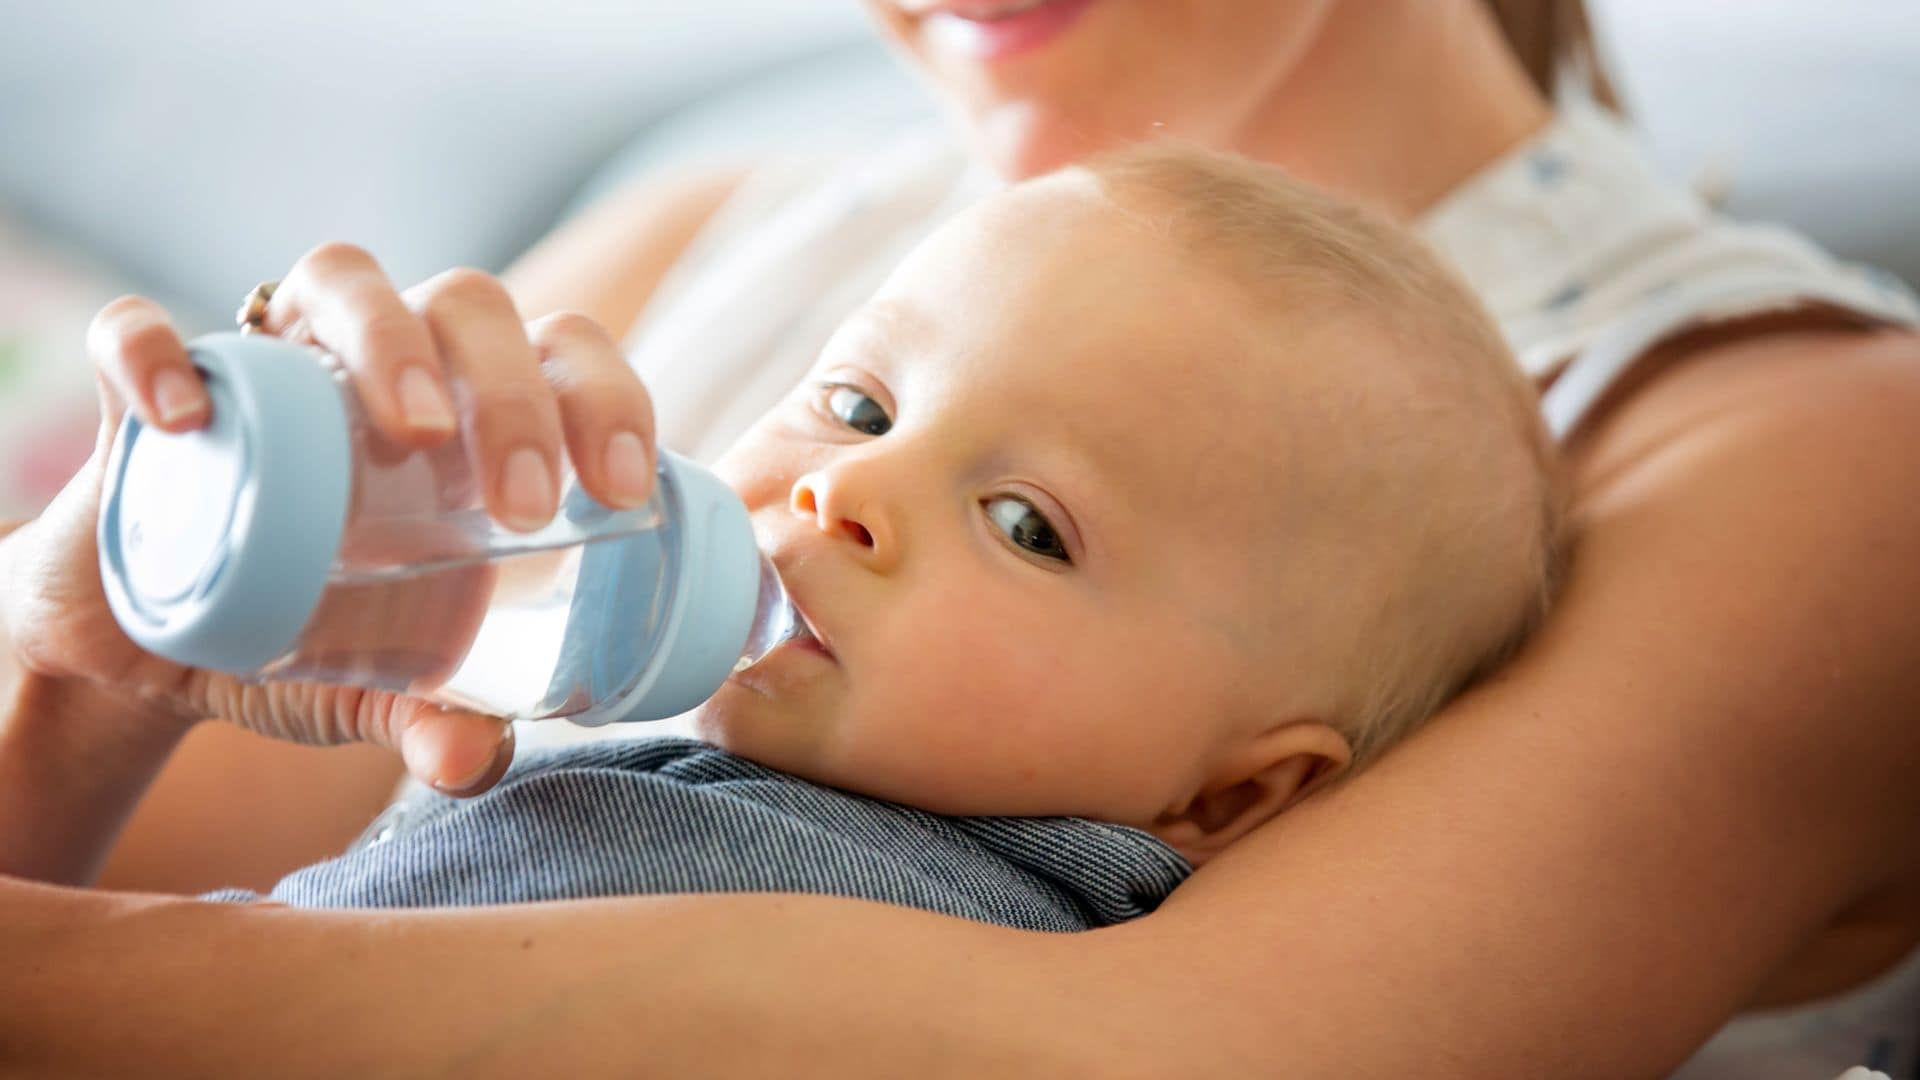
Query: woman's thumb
point(454, 752)
point(112, 409)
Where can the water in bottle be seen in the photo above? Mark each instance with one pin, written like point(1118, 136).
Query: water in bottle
point(289, 540)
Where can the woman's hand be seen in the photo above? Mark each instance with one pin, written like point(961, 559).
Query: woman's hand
point(450, 352)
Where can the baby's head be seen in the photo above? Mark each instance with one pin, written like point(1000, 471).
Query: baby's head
point(1160, 491)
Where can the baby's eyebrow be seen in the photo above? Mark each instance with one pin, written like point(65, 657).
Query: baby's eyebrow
point(889, 325)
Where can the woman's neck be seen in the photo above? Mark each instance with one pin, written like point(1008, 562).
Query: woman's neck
point(1397, 103)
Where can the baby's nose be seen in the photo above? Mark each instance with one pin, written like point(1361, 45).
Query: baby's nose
point(813, 497)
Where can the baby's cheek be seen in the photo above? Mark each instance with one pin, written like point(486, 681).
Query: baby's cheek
point(981, 725)
point(757, 471)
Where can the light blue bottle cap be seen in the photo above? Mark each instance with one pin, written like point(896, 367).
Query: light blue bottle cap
point(215, 544)
point(715, 596)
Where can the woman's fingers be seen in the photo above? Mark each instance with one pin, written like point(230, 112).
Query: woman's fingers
point(456, 753)
point(451, 750)
point(454, 337)
point(607, 412)
point(337, 296)
point(141, 359)
point(509, 416)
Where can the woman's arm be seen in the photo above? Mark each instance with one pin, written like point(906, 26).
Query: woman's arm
point(73, 762)
point(739, 984)
point(275, 805)
point(1580, 870)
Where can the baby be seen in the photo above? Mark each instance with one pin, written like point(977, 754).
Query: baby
point(1143, 500)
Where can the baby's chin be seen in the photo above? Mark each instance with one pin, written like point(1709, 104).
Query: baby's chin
point(789, 737)
point(723, 717)
point(773, 731)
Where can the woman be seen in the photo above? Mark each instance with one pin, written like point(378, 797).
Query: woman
point(1690, 796)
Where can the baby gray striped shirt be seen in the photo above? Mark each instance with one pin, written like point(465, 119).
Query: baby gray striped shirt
point(675, 815)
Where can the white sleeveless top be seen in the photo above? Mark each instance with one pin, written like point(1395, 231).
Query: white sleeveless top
point(1574, 244)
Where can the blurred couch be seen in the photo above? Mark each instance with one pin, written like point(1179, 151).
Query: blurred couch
point(187, 150)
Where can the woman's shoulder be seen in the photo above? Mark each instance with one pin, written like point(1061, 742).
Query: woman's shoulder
point(1797, 383)
point(1575, 232)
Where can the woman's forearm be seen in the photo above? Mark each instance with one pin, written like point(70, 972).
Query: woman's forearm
point(746, 984)
point(73, 762)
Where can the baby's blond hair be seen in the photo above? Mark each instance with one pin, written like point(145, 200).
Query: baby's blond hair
point(1477, 574)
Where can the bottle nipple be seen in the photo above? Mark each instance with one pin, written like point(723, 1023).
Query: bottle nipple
point(774, 620)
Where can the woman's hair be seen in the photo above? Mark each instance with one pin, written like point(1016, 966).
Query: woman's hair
point(1554, 39)
point(1469, 575)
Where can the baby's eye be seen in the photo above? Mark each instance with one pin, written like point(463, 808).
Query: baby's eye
point(1026, 527)
point(857, 410)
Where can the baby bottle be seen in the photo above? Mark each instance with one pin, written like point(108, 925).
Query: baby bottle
point(289, 540)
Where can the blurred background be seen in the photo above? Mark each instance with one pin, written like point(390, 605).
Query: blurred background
point(158, 148)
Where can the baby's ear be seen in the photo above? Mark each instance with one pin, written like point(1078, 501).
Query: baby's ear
point(1258, 779)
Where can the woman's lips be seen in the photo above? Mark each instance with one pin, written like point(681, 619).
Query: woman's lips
point(971, 9)
point(991, 30)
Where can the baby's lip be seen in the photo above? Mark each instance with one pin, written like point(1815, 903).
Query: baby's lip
point(813, 628)
point(795, 561)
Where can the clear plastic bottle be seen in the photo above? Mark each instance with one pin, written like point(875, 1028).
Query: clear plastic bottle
point(289, 540)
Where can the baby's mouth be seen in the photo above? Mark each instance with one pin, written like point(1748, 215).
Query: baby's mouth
point(805, 636)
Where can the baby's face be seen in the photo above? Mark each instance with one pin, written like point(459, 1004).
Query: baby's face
point(1018, 496)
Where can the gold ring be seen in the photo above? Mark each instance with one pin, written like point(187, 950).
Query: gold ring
point(252, 316)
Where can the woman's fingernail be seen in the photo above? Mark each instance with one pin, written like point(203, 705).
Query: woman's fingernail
point(423, 403)
point(463, 784)
point(629, 476)
point(529, 489)
point(177, 395)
